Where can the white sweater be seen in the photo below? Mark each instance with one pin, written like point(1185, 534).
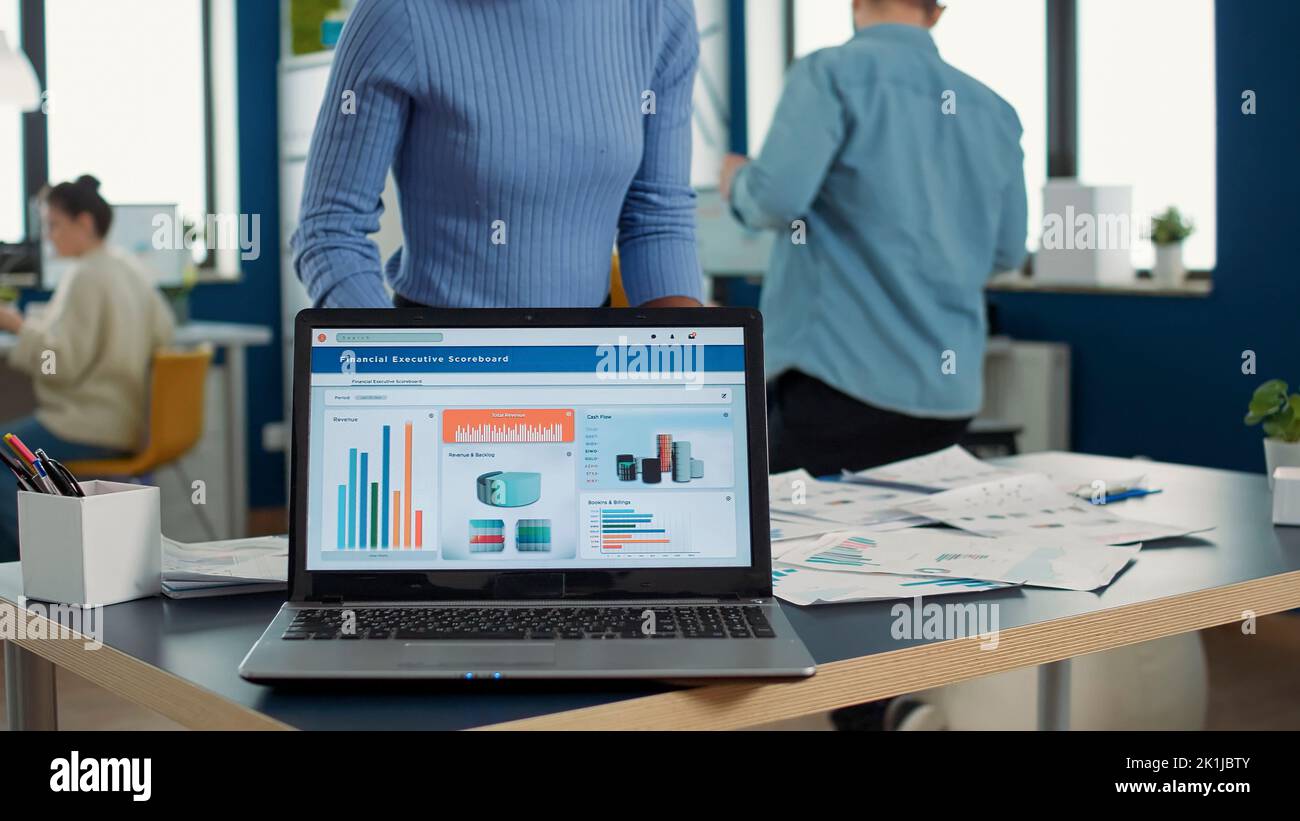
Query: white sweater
point(89, 353)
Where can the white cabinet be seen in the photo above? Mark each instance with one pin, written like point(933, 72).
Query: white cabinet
point(1028, 384)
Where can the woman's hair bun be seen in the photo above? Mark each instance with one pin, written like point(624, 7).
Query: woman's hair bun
point(81, 196)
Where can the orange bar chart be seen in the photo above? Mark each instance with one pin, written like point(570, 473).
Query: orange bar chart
point(406, 485)
point(524, 425)
point(397, 520)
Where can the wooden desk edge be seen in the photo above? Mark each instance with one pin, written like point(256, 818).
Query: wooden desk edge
point(736, 705)
point(178, 699)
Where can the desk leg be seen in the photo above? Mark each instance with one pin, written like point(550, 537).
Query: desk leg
point(1054, 695)
point(30, 700)
point(236, 443)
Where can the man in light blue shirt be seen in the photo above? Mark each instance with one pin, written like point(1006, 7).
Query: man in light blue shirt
point(896, 185)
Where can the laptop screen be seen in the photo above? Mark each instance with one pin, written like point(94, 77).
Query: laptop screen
point(527, 448)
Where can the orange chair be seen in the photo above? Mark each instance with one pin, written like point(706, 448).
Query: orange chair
point(617, 296)
point(175, 420)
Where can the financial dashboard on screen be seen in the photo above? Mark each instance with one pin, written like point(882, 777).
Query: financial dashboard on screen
point(536, 448)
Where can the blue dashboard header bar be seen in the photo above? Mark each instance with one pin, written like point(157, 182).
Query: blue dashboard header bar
point(613, 359)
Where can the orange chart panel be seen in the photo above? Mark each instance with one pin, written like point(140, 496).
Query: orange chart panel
point(505, 425)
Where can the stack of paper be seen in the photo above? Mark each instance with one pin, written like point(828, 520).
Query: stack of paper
point(225, 568)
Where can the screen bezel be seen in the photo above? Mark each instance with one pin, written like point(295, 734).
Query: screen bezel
point(754, 581)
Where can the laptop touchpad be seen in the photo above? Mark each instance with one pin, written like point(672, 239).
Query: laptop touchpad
point(460, 654)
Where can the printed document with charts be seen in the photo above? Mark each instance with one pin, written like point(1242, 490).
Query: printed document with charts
point(1042, 561)
point(1032, 504)
point(795, 496)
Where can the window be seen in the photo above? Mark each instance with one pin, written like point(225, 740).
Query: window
point(818, 24)
point(142, 96)
point(710, 116)
point(1123, 123)
point(11, 141)
point(1146, 111)
point(766, 32)
point(1003, 46)
point(126, 99)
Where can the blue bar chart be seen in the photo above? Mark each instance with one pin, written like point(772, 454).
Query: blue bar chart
point(382, 498)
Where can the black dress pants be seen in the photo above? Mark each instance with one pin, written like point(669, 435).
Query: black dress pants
point(814, 426)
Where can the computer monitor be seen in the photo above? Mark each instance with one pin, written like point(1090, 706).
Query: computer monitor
point(137, 229)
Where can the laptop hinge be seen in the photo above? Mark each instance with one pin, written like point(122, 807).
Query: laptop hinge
point(331, 599)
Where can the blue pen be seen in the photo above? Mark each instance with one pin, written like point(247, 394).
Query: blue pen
point(1127, 494)
point(44, 479)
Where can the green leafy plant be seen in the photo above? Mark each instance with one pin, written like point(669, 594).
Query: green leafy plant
point(1171, 227)
point(1276, 410)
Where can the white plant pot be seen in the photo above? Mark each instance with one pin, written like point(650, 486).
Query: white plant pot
point(1279, 454)
point(1169, 269)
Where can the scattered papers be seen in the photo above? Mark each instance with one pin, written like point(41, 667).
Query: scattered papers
point(797, 496)
point(1013, 527)
point(1043, 562)
point(1064, 472)
point(224, 567)
point(786, 529)
point(1031, 504)
point(942, 470)
point(805, 586)
point(783, 547)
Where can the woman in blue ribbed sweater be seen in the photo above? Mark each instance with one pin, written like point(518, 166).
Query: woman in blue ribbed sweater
point(526, 139)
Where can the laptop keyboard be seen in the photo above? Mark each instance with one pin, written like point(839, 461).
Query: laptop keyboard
point(528, 623)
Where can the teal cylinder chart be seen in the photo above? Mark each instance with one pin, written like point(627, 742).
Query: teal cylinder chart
point(681, 461)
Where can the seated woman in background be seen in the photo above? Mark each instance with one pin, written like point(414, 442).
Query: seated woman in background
point(89, 352)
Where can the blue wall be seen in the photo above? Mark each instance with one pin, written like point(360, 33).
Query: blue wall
point(1162, 377)
point(256, 297)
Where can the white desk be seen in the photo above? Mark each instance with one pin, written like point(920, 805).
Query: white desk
point(234, 338)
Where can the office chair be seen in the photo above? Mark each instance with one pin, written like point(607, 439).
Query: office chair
point(176, 382)
point(617, 296)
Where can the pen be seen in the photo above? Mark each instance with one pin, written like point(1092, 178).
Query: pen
point(60, 475)
point(63, 477)
point(56, 478)
point(44, 479)
point(24, 479)
point(1127, 494)
point(20, 450)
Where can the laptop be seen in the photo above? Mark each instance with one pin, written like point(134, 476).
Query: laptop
point(528, 494)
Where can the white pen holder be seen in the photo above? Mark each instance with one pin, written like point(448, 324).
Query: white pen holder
point(101, 549)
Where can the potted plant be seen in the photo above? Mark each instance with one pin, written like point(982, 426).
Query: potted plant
point(1168, 230)
point(1279, 413)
